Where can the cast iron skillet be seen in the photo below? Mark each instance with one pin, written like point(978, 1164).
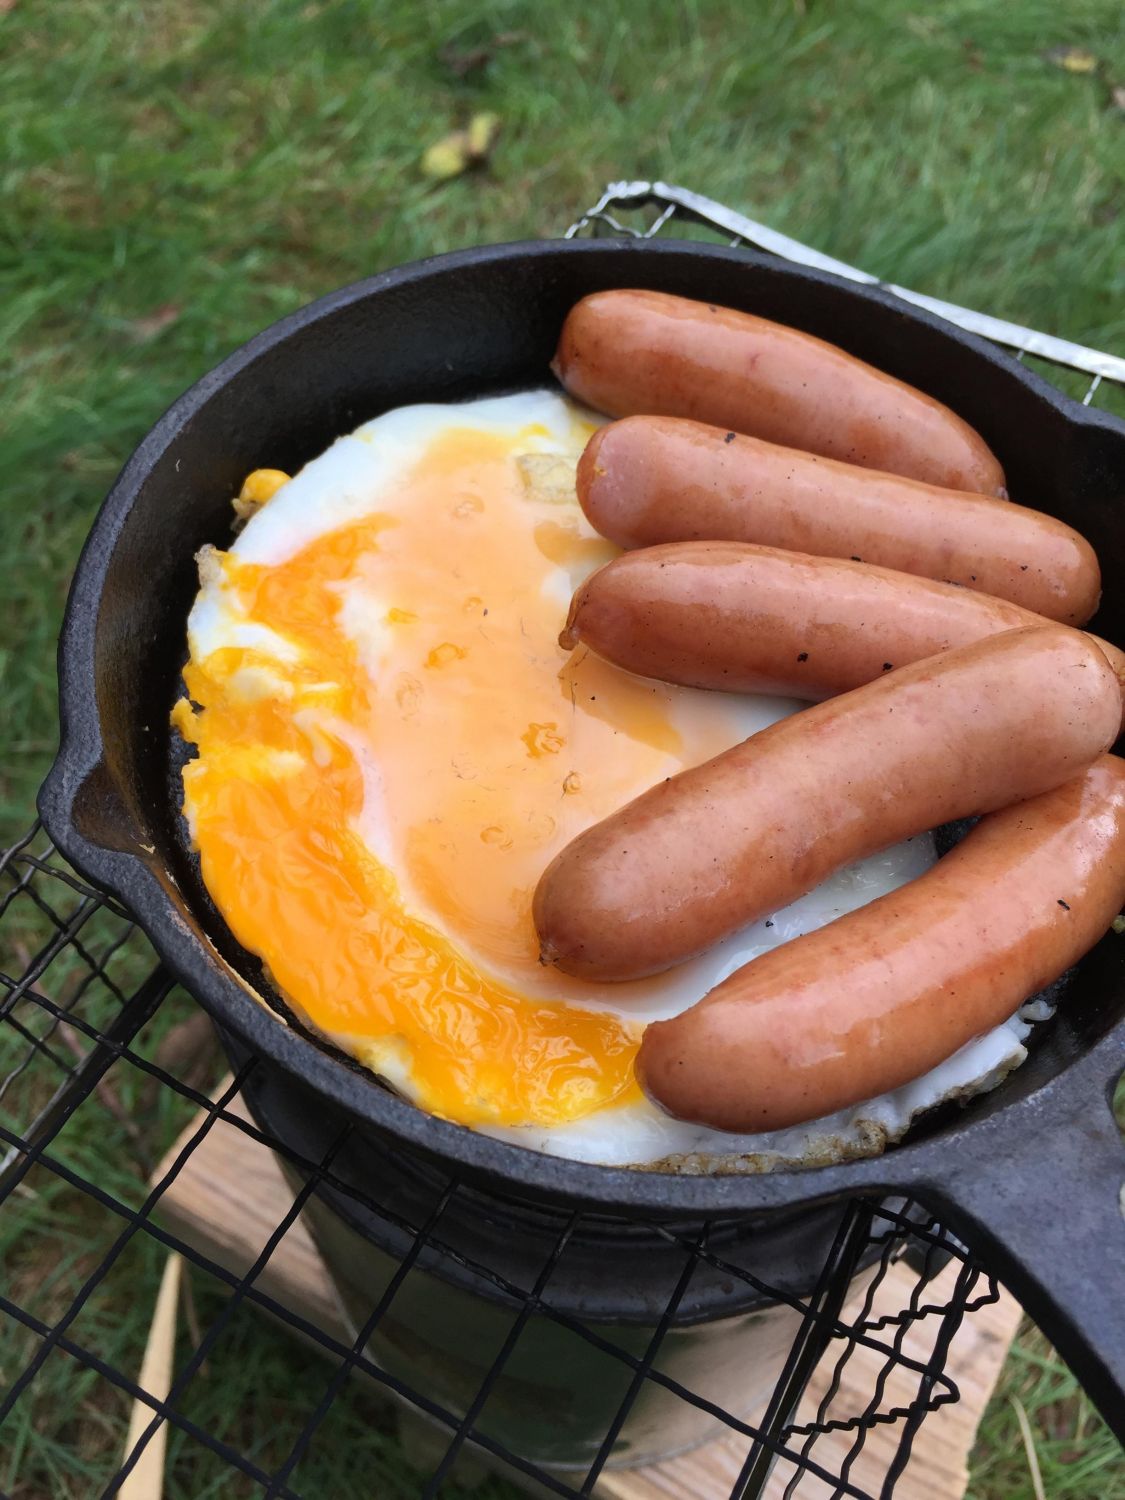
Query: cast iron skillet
point(1031, 1173)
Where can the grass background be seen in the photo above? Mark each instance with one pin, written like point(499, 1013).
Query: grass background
point(177, 173)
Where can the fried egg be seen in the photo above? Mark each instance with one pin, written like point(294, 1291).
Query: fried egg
point(391, 747)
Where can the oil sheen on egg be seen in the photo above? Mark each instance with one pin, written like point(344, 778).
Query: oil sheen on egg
point(391, 748)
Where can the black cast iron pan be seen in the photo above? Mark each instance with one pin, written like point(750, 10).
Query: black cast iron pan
point(1030, 1174)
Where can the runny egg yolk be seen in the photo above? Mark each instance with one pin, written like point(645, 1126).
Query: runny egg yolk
point(423, 695)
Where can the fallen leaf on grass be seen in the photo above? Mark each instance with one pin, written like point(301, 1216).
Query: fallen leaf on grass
point(1117, 98)
point(162, 317)
point(461, 149)
point(1073, 59)
point(482, 132)
point(462, 63)
point(446, 158)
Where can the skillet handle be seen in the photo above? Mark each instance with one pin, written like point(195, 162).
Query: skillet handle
point(1044, 1206)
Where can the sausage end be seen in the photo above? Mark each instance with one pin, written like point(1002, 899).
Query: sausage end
point(570, 635)
point(589, 471)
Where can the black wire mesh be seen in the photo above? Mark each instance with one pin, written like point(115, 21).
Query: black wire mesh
point(83, 1033)
point(97, 1044)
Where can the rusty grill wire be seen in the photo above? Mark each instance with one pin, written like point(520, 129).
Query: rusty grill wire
point(85, 1018)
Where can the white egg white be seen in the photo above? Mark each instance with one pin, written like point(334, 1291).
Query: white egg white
point(357, 476)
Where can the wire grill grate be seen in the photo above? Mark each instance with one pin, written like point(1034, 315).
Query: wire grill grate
point(50, 1095)
point(92, 1046)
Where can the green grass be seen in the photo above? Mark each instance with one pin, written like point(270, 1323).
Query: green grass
point(176, 175)
point(1074, 1457)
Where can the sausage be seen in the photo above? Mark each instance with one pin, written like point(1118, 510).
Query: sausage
point(748, 619)
point(882, 995)
point(655, 479)
point(700, 855)
point(624, 352)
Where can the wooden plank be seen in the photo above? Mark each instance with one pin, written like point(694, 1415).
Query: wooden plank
point(230, 1196)
point(146, 1479)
